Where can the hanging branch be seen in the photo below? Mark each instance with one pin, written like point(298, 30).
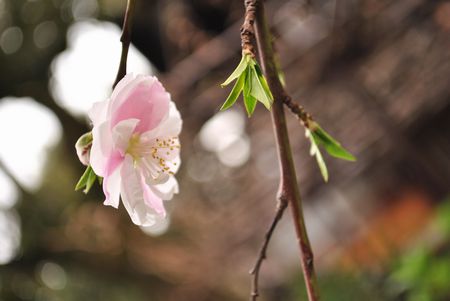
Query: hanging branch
point(125, 39)
point(288, 189)
point(282, 204)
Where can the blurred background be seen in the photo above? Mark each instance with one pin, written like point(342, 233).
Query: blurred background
point(374, 73)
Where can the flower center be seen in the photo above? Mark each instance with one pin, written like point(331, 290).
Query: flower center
point(155, 154)
point(134, 148)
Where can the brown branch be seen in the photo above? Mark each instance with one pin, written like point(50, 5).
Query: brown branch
point(283, 203)
point(247, 28)
point(288, 188)
point(126, 40)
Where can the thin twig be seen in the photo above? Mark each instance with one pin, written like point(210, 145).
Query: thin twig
point(304, 117)
point(288, 188)
point(283, 203)
point(126, 40)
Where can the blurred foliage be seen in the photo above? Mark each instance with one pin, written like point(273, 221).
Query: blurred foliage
point(341, 286)
point(423, 274)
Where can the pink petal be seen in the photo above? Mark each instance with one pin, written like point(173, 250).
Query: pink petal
point(123, 88)
point(148, 102)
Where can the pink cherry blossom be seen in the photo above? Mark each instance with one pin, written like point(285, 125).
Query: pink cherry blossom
point(136, 148)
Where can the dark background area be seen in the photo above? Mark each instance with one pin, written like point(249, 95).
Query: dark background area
point(375, 74)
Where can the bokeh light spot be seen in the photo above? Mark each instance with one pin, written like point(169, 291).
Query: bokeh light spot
point(9, 235)
point(11, 40)
point(27, 131)
point(84, 9)
point(84, 73)
point(45, 34)
point(9, 194)
point(53, 276)
point(224, 135)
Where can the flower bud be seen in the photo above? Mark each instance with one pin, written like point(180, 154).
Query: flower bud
point(83, 147)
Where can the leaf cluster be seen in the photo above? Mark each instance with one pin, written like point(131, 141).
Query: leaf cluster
point(319, 137)
point(251, 83)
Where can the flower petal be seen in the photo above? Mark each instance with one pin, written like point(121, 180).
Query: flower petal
point(111, 188)
point(98, 112)
point(151, 199)
point(151, 172)
point(133, 195)
point(125, 83)
point(101, 148)
point(148, 102)
point(166, 190)
point(169, 127)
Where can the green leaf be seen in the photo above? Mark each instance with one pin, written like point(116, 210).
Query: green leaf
point(259, 88)
point(263, 81)
point(250, 104)
point(238, 71)
point(83, 179)
point(87, 180)
point(234, 94)
point(91, 180)
point(249, 100)
point(314, 151)
point(333, 147)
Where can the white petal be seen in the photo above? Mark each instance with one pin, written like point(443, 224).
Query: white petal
point(171, 127)
point(98, 112)
point(111, 188)
point(101, 148)
point(166, 190)
point(133, 196)
point(122, 133)
point(150, 170)
point(175, 164)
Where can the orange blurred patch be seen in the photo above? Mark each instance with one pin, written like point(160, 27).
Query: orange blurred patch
point(389, 231)
point(442, 15)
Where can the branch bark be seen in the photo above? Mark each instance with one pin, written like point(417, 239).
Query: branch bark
point(288, 187)
point(126, 40)
point(247, 28)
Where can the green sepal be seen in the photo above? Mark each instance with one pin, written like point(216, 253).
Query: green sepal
point(315, 151)
point(333, 147)
point(234, 94)
point(238, 71)
point(87, 180)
